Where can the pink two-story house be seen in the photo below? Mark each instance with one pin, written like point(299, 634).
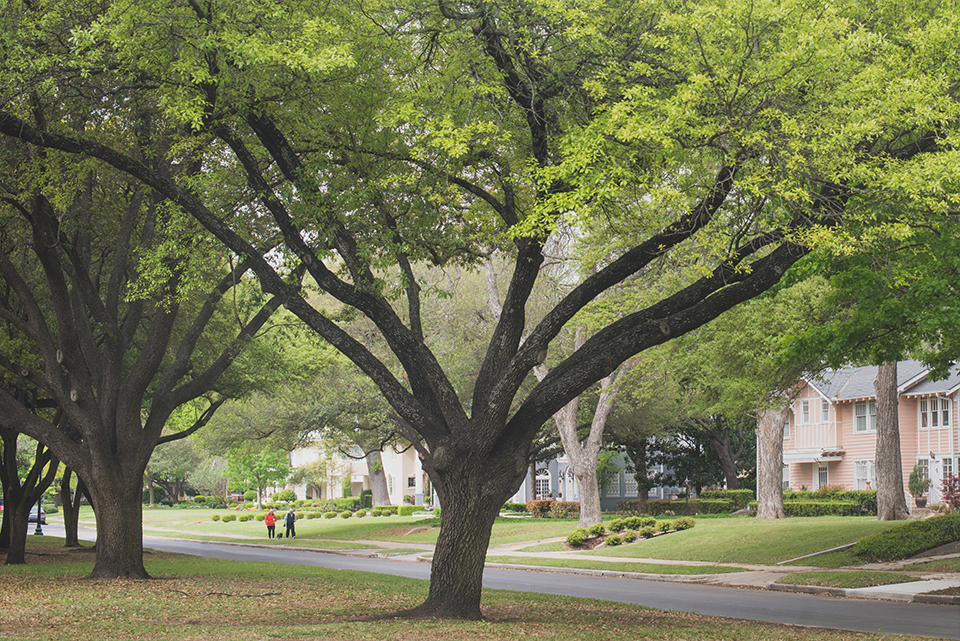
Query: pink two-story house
point(830, 437)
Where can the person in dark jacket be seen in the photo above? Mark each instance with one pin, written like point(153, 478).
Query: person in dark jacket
point(289, 521)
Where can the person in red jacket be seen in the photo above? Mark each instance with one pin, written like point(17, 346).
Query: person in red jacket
point(271, 520)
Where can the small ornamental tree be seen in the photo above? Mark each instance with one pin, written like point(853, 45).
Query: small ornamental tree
point(950, 492)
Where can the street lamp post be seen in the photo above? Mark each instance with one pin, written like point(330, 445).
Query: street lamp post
point(39, 527)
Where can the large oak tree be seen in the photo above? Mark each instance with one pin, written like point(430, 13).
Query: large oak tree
point(366, 135)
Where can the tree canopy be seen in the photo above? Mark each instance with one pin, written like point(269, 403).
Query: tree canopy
point(363, 136)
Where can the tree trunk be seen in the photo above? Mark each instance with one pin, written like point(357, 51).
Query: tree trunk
point(117, 495)
point(770, 464)
point(473, 494)
point(150, 489)
point(720, 441)
point(378, 479)
point(18, 513)
point(891, 501)
point(70, 504)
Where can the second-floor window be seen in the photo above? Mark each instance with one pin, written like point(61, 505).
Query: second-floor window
point(805, 408)
point(865, 415)
point(824, 411)
point(934, 412)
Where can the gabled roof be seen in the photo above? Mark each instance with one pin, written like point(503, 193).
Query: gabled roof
point(857, 382)
point(945, 387)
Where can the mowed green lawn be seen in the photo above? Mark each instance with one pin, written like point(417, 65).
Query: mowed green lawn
point(214, 600)
point(751, 540)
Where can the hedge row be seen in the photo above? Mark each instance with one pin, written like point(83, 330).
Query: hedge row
point(739, 498)
point(541, 508)
point(909, 539)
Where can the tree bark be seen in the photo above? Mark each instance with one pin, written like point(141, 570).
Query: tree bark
point(770, 464)
point(378, 479)
point(117, 494)
point(891, 500)
point(70, 504)
point(719, 436)
point(471, 503)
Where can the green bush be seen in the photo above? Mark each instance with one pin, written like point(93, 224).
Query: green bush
point(387, 510)
point(909, 539)
point(285, 495)
point(329, 515)
point(637, 522)
point(613, 539)
point(346, 514)
point(250, 495)
point(352, 503)
point(243, 518)
point(821, 508)
point(366, 499)
point(664, 526)
point(227, 518)
point(215, 517)
point(514, 507)
point(714, 506)
point(199, 498)
point(407, 510)
point(313, 515)
point(261, 517)
point(578, 536)
point(616, 525)
point(376, 512)
point(360, 514)
point(683, 523)
point(628, 536)
point(647, 531)
point(563, 509)
point(739, 498)
point(597, 530)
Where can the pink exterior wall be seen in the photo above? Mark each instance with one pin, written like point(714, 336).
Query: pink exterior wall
point(839, 433)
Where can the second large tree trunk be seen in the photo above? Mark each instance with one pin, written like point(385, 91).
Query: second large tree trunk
point(891, 501)
point(378, 479)
point(770, 463)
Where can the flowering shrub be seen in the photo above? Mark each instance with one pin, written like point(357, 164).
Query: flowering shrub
point(950, 492)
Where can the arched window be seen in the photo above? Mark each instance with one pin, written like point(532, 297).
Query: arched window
point(542, 489)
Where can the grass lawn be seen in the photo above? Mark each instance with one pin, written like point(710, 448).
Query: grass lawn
point(750, 540)
point(214, 600)
point(852, 579)
point(647, 568)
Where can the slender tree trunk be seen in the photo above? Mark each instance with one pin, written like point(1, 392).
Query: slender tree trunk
point(150, 489)
point(719, 437)
point(770, 464)
point(70, 504)
point(378, 479)
point(117, 495)
point(891, 501)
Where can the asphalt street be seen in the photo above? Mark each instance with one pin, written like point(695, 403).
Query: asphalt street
point(939, 621)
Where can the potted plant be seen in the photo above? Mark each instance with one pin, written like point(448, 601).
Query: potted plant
point(918, 484)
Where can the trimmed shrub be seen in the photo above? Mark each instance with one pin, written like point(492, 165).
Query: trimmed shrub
point(538, 508)
point(285, 495)
point(243, 518)
point(637, 522)
point(352, 503)
point(739, 498)
point(664, 526)
point(563, 509)
point(616, 525)
point(821, 508)
point(628, 507)
point(376, 512)
point(261, 517)
point(514, 507)
point(613, 539)
point(597, 530)
point(683, 523)
point(628, 536)
point(329, 515)
point(714, 506)
point(647, 531)
point(227, 518)
point(313, 515)
point(346, 514)
point(387, 510)
point(199, 498)
point(360, 514)
point(215, 517)
point(909, 539)
point(407, 510)
point(659, 506)
point(578, 536)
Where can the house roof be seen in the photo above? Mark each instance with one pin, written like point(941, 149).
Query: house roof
point(857, 382)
